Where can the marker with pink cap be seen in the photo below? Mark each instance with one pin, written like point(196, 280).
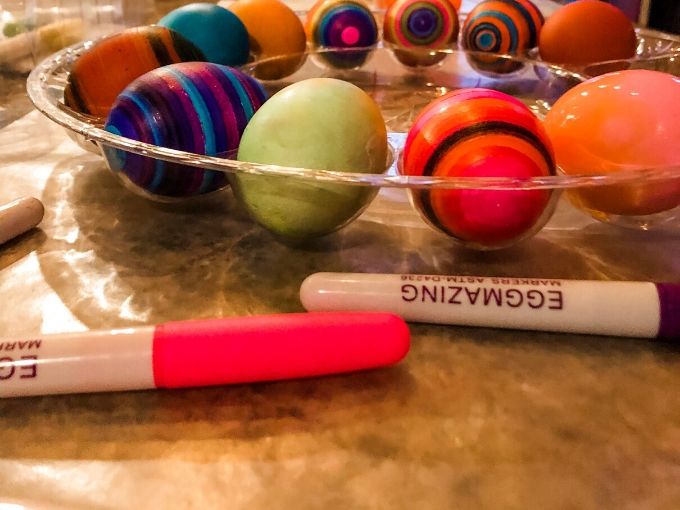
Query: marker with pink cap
point(202, 353)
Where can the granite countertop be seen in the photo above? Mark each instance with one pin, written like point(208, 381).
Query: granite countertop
point(473, 418)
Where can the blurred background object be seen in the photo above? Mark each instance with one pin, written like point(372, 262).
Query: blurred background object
point(30, 30)
point(663, 15)
point(630, 7)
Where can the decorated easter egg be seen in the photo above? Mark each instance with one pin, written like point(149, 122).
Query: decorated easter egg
point(101, 73)
point(627, 120)
point(275, 31)
point(343, 25)
point(501, 26)
point(420, 24)
point(587, 31)
point(386, 4)
point(195, 107)
point(472, 133)
point(315, 124)
point(217, 32)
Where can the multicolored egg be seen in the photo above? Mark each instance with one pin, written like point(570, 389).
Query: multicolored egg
point(275, 31)
point(473, 133)
point(217, 32)
point(101, 73)
point(342, 25)
point(628, 120)
point(423, 25)
point(587, 31)
point(501, 26)
point(386, 4)
point(315, 124)
point(196, 107)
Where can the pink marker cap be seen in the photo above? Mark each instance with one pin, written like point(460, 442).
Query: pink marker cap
point(275, 347)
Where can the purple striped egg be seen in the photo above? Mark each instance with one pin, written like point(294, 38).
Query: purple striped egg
point(196, 107)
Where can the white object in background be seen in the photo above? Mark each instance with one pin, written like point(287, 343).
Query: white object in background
point(19, 216)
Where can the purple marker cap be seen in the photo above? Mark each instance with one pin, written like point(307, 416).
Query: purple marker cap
point(669, 299)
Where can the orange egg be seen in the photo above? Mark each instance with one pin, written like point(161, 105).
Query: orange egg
point(585, 32)
point(275, 30)
point(624, 121)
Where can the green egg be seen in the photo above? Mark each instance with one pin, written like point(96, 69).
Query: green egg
point(315, 124)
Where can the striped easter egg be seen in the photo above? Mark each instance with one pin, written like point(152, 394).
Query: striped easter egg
point(102, 72)
point(480, 133)
point(196, 107)
point(342, 24)
point(420, 24)
point(502, 26)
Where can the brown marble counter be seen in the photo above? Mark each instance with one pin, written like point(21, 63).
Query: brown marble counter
point(474, 418)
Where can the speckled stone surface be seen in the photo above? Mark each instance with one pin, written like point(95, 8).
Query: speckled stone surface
point(13, 102)
point(474, 418)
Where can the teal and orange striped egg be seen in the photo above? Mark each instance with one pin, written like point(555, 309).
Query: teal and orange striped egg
point(197, 107)
point(420, 25)
point(110, 65)
point(509, 27)
point(216, 31)
point(475, 133)
point(345, 25)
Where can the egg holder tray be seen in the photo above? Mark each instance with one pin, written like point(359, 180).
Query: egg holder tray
point(401, 92)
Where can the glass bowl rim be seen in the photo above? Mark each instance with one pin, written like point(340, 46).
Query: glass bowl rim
point(38, 92)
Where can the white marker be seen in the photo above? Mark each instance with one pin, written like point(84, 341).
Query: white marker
point(46, 39)
point(19, 216)
point(633, 309)
point(204, 352)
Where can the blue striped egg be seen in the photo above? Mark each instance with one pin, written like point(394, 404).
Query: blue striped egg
point(196, 107)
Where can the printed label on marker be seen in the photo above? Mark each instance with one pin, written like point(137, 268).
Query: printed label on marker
point(592, 307)
point(513, 297)
point(19, 359)
point(72, 363)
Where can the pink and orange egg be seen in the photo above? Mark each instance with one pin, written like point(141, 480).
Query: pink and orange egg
point(480, 133)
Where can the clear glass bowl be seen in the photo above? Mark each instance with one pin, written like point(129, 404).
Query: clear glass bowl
point(401, 92)
point(655, 50)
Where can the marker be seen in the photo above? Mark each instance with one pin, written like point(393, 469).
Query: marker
point(202, 353)
point(46, 39)
point(19, 216)
point(632, 309)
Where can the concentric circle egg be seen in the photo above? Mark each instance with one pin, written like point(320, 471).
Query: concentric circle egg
point(501, 26)
point(342, 25)
point(422, 25)
point(196, 107)
point(480, 133)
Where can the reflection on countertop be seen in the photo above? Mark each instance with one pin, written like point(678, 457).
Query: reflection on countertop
point(474, 418)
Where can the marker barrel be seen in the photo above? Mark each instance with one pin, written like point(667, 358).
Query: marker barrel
point(202, 353)
point(634, 309)
point(91, 361)
point(19, 216)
